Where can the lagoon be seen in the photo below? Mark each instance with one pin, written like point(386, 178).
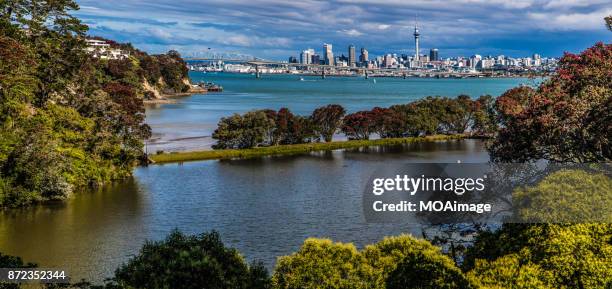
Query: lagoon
point(264, 207)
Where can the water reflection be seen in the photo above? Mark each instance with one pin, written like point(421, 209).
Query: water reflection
point(265, 207)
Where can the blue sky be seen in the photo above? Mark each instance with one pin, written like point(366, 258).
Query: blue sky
point(277, 29)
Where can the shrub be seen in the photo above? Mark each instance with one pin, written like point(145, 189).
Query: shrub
point(422, 270)
point(320, 263)
point(182, 261)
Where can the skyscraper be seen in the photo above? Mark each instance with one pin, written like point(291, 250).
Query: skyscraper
point(364, 55)
point(328, 54)
point(351, 55)
point(433, 54)
point(416, 41)
point(306, 55)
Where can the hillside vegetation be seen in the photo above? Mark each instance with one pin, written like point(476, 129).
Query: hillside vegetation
point(67, 119)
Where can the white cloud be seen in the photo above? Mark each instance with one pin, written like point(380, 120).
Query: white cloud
point(570, 21)
point(350, 32)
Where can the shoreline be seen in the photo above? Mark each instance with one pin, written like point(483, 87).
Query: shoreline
point(179, 157)
point(173, 97)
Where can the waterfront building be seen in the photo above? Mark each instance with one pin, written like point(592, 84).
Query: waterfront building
point(306, 56)
point(433, 54)
point(103, 50)
point(315, 59)
point(388, 61)
point(537, 60)
point(328, 54)
point(364, 55)
point(474, 60)
point(352, 61)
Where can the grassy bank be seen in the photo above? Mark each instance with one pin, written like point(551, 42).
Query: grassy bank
point(291, 149)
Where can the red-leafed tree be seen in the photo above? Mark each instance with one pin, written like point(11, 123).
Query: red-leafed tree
point(568, 118)
point(359, 125)
point(327, 120)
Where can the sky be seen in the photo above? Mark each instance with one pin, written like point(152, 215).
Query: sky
point(277, 29)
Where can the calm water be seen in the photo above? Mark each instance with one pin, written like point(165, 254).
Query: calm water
point(189, 123)
point(264, 207)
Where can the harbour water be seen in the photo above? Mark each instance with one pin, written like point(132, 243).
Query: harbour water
point(188, 124)
point(264, 207)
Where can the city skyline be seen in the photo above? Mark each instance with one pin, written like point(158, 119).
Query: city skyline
point(276, 29)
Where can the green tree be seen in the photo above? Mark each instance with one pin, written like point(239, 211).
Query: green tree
point(560, 255)
point(508, 272)
point(182, 261)
point(320, 263)
point(423, 271)
point(243, 131)
point(566, 196)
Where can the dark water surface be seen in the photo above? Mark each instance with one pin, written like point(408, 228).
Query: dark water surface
point(264, 207)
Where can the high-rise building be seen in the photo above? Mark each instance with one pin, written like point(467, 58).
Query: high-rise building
point(351, 56)
point(388, 60)
point(328, 54)
point(315, 59)
point(433, 54)
point(306, 56)
point(292, 59)
point(364, 55)
point(537, 60)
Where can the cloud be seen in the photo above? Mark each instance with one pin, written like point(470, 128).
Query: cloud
point(570, 21)
point(351, 32)
point(272, 27)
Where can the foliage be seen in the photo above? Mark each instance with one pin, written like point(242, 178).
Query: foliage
point(182, 261)
point(243, 131)
point(327, 120)
point(566, 119)
point(559, 255)
point(507, 272)
point(67, 119)
point(291, 149)
point(7, 261)
point(358, 125)
point(427, 271)
point(320, 263)
point(566, 196)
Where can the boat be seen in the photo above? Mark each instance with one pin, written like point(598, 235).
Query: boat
point(301, 79)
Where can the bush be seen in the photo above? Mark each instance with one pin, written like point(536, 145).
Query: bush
point(320, 263)
point(7, 261)
point(422, 270)
point(182, 261)
point(564, 256)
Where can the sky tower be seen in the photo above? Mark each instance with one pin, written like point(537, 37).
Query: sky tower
point(416, 40)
